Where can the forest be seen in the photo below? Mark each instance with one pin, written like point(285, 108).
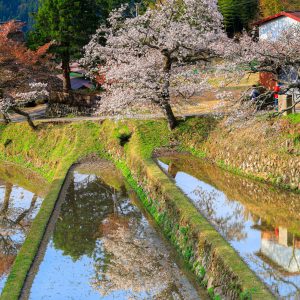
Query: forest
point(17, 9)
point(238, 14)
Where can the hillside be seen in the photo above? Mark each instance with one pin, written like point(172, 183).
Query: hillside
point(17, 9)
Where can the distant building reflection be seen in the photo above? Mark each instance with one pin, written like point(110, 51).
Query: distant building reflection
point(280, 247)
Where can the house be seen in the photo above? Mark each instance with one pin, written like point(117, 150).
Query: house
point(280, 248)
point(271, 28)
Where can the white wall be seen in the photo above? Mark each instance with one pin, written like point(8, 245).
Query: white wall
point(283, 256)
point(272, 29)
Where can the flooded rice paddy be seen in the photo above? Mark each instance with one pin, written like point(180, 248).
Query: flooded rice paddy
point(103, 247)
point(21, 195)
point(262, 223)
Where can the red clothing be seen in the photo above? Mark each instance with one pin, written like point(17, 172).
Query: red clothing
point(276, 90)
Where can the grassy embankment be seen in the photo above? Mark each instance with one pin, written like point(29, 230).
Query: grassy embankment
point(54, 148)
point(216, 265)
point(50, 151)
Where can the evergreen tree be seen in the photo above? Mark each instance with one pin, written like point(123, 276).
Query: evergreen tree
point(238, 14)
point(69, 23)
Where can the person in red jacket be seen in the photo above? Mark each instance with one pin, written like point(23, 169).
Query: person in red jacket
point(276, 95)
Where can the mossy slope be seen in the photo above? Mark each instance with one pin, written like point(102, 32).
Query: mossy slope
point(50, 151)
point(51, 148)
point(214, 262)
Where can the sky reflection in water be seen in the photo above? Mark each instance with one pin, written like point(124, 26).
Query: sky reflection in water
point(260, 222)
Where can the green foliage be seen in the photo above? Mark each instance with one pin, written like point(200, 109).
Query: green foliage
point(271, 7)
point(67, 22)
point(238, 14)
point(210, 292)
point(18, 9)
point(70, 22)
point(183, 230)
point(247, 294)
point(202, 272)
point(188, 253)
point(294, 118)
point(296, 139)
point(81, 205)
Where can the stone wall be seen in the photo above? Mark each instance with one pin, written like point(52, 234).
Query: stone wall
point(64, 104)
point(263, 151)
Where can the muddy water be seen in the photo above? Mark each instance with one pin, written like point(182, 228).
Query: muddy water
point(102, 246)
point(21, 195)
point(262, 223)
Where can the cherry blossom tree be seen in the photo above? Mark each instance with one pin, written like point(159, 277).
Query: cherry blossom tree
point(278, 57)
point(137, 263)
point(14, 102)
point(146, 56)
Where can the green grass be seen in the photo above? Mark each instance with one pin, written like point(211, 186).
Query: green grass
point(50, 151)
point(25, 257)
point(294, 118)
point(51, 148)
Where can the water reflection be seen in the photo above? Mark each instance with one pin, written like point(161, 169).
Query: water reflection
point(262, 223)
point(18, 207)
point(102, 247)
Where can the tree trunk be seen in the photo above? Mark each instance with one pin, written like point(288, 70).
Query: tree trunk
point(4, 114)
point(25, 114)
point(66, 72)
point(8, 190)
point(27, 211)
point(6, 118)
point(172, 122)
point(166, 91)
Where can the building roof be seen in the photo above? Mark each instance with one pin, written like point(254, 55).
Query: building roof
point(78, 82)
point(291, 14)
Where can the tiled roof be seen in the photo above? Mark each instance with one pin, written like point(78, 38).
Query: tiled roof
point(291, 14)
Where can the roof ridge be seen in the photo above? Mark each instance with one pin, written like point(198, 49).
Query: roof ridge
point(291, 14)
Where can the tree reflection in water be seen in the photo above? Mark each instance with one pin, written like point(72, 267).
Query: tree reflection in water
point(231, 225)
point(100, 222)
point(278, 277)
point(136, 262)
point(18, 209)
point(14, 222)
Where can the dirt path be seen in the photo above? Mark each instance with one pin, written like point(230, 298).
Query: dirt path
point(38, 114)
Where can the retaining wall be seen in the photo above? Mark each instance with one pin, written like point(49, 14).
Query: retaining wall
point(217, 266)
